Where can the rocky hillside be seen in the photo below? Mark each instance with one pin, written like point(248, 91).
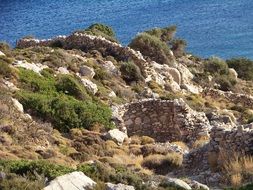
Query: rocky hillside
point(85, 112)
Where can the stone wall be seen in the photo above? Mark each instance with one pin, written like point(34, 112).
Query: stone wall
point(243, 99)
point(238, 139)
point(87, 43)
point(164, 120)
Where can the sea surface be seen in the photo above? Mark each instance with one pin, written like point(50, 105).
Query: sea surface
point(221, 28)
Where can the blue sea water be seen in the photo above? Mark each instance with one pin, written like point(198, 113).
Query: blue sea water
point(211, 27)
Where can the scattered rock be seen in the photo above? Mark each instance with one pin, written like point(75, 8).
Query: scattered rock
point(110, 67)
point(233, 73)
point(90, 86)
point(175, 75)
point(178, 183)
point(71, 181)
point(112, 94)
point(63, 70)
point(116, 135)
point(2, 54)
point(2, 176)
point(10, 86)
point(120, 186)
point(86, 71)
point(37, 68)
point(18, 105)
point(198, 186)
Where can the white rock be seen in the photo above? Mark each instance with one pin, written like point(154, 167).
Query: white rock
point(110, 67)
point(2, 54)
point(10, 85)
point(196, 185)
point(175, 75)
point(18, 105)
point(116, 135)
point(71, 181)
point(233, 73)
point(87, 71)
point(178, 183)
point(90, 86)
point(120, 186)
point(37, 68)
point(63, 70)
point(112, 94)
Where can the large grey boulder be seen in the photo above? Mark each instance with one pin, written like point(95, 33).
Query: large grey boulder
point(120, 186)
point(71, 181)
point(86, 71)
point(116, 135)
point(174, 182)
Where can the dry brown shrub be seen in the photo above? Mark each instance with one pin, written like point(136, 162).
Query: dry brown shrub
point(147, 140)
point(135, 140)
point(181, 144)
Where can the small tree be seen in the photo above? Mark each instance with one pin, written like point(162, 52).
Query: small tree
point(178, 47)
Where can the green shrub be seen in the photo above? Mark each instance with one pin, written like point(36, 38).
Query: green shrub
point(15, 182)
point(226, 82)
point(71, 86)
point(152, 47)
point(65, 112)
point(41, 167)
point(164, 34)
point(216, 66)
point(5, 70)
point(243, 66)
point(130, 72)
point(178, 47)
point(5, 48)
point(103, 30)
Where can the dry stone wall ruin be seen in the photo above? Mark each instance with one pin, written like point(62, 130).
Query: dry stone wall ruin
point(164, 120)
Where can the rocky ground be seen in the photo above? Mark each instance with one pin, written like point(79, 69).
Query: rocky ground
point(84, 112)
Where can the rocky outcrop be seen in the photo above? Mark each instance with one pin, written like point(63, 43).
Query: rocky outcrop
point(18, 105)
point(90, 86)
point(178, 183)
point(86, 71)
point(37, 68)
point(120, 186)
point(2, 54)
point(116, 135)
point(63, 70)
point(163, 120)
point(72, 181)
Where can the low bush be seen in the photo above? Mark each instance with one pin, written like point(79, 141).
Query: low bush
point(178, 47)
point(164, 34)
point(152, 47)
point(5, 48)
point(162, 164)
point(216, 66)
point(226, 82)
point(5, 70)
point(130, 72)
point(31, 168)
point(243, 66)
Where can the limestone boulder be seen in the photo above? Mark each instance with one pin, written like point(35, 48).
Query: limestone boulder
point(110, 67)
point(71, 181)
point(198, 186)
point(178, 183)
point(175, 75)
point(112, 94)
point(18, 105)
point(90, 86)
point(37, 68)
point(233, 73)
point(120, 186)
point(87, 71)
point(2, 54)
point(63, 70)
point(116, 135)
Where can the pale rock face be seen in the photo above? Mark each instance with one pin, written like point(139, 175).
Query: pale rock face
point(233, 73)
point(120, 186)
point(18, 105)
point(37, 68)
point(178, 183)
point(116, 135)
point(196, 185)
point(110, 67)
point(10, 85)
point(175, 74)
point(112, 94)
point(2, 54)
point(71, 181)
point(172, 86)
point(63, 70)
point(90, 86)
point(87, 71)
